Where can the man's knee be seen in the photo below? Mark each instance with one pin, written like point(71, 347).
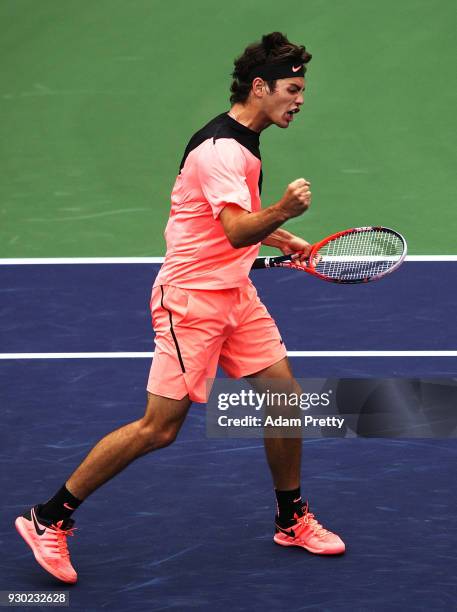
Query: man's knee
point(162, 421)
point(155, 437)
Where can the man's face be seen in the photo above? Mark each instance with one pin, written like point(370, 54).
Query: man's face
point(280, 105)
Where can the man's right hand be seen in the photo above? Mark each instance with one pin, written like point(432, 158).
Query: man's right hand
point(297, 198)
point(244, 228)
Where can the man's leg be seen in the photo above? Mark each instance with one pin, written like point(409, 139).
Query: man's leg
point(283, 454)
point(46, 527)
point(157, 428)
point(295, 525)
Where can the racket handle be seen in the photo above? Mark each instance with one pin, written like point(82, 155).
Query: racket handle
point(269, 262)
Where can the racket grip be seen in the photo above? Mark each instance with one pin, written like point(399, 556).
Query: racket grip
point(269, 262)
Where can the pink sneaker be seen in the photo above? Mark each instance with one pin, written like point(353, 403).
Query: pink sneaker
point(309, 534)
point(48, 543)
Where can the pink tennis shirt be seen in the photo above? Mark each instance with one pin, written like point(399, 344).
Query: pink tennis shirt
point(221, 165)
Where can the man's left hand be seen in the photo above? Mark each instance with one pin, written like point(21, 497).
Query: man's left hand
point(297, 245)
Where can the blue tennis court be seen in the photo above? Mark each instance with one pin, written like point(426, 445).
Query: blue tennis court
point(194, 526)
point(104, 308)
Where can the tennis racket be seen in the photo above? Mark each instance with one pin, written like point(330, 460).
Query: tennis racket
point(356, 255)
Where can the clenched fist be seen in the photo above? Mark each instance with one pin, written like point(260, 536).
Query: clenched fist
point(297, 198)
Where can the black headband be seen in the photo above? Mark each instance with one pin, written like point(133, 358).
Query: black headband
point(271, 72)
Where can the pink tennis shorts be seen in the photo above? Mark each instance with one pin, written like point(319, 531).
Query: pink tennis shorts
point(197, 329)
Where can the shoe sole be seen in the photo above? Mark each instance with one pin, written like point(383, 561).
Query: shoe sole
point(24, 534)
point(308, 548)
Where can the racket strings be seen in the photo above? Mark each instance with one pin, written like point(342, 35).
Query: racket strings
point(361, 254)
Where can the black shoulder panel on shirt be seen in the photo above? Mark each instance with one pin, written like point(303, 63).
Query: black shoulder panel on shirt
point(224, 126)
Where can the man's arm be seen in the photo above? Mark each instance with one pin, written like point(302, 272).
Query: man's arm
point(243, 228)
point(278, 238)
point(288, 243)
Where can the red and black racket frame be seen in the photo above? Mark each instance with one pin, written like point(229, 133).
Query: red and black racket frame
point(287, 261)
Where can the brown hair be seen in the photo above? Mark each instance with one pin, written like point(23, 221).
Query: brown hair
point(273, 48)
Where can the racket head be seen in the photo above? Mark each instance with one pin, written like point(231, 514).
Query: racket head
point(357, 255)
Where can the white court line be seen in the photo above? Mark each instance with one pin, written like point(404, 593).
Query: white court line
point(152, 260)
point(148, 355)
point(79, 260)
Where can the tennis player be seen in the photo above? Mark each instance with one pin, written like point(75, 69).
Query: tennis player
point(205, 309)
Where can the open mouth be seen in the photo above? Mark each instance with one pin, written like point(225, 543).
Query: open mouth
point(290, 114)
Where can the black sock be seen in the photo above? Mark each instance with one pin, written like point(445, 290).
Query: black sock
point(59, 507)
point(289, 503)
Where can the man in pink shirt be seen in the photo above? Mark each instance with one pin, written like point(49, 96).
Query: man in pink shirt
point(205, 309)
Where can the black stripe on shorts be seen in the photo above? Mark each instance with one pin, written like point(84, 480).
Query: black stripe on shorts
point(181, 362)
